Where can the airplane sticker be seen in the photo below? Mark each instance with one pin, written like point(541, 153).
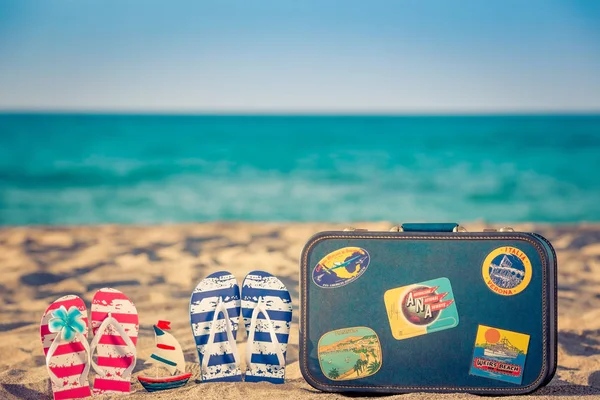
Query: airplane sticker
point(341, 267)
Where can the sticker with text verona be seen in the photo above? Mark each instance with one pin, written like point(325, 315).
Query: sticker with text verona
point(341, 267)
point(499, 354)
point(421, 308)
point(350, 353)
point(506, 271)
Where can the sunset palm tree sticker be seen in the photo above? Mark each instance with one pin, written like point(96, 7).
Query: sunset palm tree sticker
point(350, 353)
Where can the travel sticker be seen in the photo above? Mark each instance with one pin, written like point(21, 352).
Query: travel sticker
point(350, 353)
point(421, 308)
point(341, 267)
point(506, 271)
point(499, 354)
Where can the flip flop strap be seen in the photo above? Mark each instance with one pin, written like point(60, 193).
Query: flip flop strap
point(54, 346)
point(109, 320)
point(260, 308)
point(213, 330)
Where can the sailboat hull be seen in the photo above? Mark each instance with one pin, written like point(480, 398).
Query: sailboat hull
point(156, 384)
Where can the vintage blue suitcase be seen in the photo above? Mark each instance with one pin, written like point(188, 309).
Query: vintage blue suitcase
point(428, 307)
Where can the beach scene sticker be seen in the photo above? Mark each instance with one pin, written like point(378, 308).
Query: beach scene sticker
point(506, 271)
point(421, 308)
point(499, 354)
point(341, 267)
point(350, 353)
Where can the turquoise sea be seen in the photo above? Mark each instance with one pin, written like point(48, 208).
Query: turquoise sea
point(87, 169)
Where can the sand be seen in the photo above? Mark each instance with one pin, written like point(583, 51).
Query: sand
point(158, 266)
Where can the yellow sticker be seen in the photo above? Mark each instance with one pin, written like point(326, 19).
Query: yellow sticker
point(499, 354)
point(421, 308)
point(349, 353)
point(506, 271)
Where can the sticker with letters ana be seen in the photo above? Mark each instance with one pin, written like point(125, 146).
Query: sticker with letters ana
point(341, 267)
point(421, 308)
point(506, 271)
point(350, 353)
point(499, 354)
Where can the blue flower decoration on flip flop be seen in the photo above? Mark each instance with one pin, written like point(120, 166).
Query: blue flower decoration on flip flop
point(67, 323)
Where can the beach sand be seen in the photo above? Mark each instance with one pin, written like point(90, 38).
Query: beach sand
point(38, 265)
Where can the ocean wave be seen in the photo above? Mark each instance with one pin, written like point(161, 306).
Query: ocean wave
point(299, 169)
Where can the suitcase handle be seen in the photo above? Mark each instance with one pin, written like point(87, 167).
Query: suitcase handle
point(432, 227)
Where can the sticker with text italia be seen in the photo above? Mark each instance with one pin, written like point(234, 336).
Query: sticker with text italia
point(506, 271)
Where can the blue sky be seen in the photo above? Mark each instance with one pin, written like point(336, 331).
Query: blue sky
point(287, 56)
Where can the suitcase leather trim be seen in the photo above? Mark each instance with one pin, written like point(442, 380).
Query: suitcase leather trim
point(549, 321)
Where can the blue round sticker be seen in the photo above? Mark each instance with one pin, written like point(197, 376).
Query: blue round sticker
point(341, 267)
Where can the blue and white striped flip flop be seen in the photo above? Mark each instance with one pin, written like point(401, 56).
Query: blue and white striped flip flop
point(267, 313)
point(214, 315)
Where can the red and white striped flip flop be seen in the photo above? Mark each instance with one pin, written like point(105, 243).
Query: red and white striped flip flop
point(63, 331)
point(115, 328)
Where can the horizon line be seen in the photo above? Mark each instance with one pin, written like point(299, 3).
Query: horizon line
point(241, 113)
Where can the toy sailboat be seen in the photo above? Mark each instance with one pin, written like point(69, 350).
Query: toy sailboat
point(168, 354)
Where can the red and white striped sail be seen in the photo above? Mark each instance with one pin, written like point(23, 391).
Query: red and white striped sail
point(168, 352)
